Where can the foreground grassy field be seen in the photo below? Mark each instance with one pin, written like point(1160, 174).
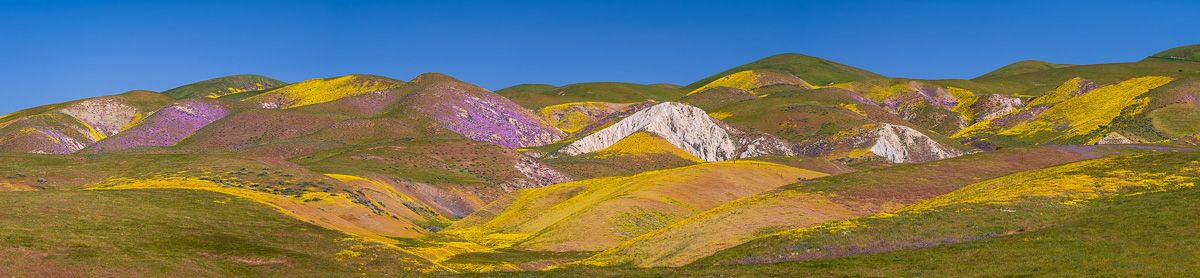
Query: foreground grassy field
point(1133, 232)
point(172, 232)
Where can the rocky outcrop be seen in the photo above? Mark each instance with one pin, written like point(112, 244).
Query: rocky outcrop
point(994, 105)
point(900, 144)
point(1116, 138)
point(894, 143)
point(615, 116)
point(106, 115)
point(688, 128)
point(48, 133)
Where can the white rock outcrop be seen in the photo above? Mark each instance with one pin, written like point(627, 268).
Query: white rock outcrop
point(1114, 138)
point(106, 115)
point(900, 144)
point(994, 105)
point(686, 127)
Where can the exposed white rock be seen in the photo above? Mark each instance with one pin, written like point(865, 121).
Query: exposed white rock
point(994, 105)
point(107, 116)
point(900, 144)
point(686, 127)
point(1114, 138)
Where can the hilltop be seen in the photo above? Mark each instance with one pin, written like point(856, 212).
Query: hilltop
point(1186, 54)
point(1021, 67)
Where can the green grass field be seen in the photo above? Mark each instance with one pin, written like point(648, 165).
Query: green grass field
point(171, 232)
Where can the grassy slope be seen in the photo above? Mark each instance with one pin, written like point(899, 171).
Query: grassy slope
point(176, 232)
point(807, 163)
point(1021, 67)
point(596, 214)
point(615, 92)
point(1046, 80)
point(344, 204)
point(526, 88)
point(1187, 53)
point(322, 90)
point(712, 98)
point(797, 116)
point(750, 80)
point(1018, 203)
point(1083, 119)
point(1169, 113)
point(572, 117)
point(814, 70)
point(1118, 237)
point(837, 197)
point(987, 86)
point(222, 86)
point(919, 102)
point(451, 177)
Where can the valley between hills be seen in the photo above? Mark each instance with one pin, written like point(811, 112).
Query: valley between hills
point(791, 165)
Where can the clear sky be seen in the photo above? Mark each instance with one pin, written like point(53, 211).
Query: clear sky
point(55, 51)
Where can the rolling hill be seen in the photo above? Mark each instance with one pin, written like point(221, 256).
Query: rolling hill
point(69, 127)
point(1021, 67)
point(597, 214)
point(224, 86)
point(1186, 54)
point(536, 96)
point(828, 199)
point(321, 90)
point(811, 69)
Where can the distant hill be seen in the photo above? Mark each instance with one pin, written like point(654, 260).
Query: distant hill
point(321, 90)
point(1021, 67)
point(222, 86)
point(1187, 54)
point(529, 95)
point(525, 88)
point(1045, 81)
point(814, 70)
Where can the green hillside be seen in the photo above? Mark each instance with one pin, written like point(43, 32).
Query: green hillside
point(814, 70)
point(1186, 54)
point(180, 232)
point(838, 197)
point(617, 92)
point(1044, 81)
point(526, 88)
point(1021, 67)
point(223, 86)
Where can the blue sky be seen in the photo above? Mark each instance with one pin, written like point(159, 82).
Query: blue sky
point(55, 51)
